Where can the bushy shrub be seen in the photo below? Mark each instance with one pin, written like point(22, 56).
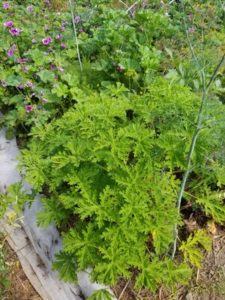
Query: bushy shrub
point(112, 169)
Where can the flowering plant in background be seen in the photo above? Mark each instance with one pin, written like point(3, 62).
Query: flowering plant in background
point(41, 57)
point(6, 5)
point(15, 31)
point(10, 52)
point(29, 108)
point(8, 23)
point(46, 41)
point(27, 78)
point(30, 8)
point(77, 19)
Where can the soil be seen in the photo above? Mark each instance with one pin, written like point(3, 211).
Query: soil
point(20, 287)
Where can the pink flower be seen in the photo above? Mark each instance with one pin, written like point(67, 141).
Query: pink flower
point(191, 29)
point(29, 108)
point(58, 37)
point(29, 8)
point(47, 2)
point(8, 23)
point(20, 86)
point(22, 60)
point(15, 31)
point(34, 41)
point(29, 84)
point(46, 41)
point(10, 52)
point(63, 45)
point(77, 19)
point(6, 5)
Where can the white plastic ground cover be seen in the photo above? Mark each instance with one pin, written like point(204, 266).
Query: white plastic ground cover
point(36, 246)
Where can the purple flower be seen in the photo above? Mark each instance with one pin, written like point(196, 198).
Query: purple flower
point(22, 60)
point(46, 41)
point(77, 19)
point(8, 23)
point(63, 45)
point(29, 108)
point(34, 41)
point(191, 29)
point(20, 86)
point(44, 100)
point(10, 52)
point(58, 37)
point(62, 28)
point(47, 2)
point(30, 8)
point(6, 5)
point(81, 30)
point(15, 31)
point(52, 66)
point(29, 84)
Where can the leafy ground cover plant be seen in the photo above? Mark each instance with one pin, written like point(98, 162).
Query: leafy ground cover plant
point(112, 169)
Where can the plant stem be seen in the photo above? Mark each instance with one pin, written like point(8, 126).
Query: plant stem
point(75, 36)
point(192, 147)
point(205, 90)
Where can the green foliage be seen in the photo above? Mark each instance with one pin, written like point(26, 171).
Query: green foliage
point(54, 212)
point(159, 272)
point(15, 196)
point(108, 147)
point(66, 265)
point(109, 165)
point(100, 295)
point(34, 85)
point(192, 248)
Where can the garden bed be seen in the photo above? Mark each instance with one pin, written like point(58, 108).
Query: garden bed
point(118, 110)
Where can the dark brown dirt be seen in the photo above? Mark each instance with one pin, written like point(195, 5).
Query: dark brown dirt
point(20, 287)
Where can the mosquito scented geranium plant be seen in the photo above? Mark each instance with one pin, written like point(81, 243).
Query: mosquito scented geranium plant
point(113, 167)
